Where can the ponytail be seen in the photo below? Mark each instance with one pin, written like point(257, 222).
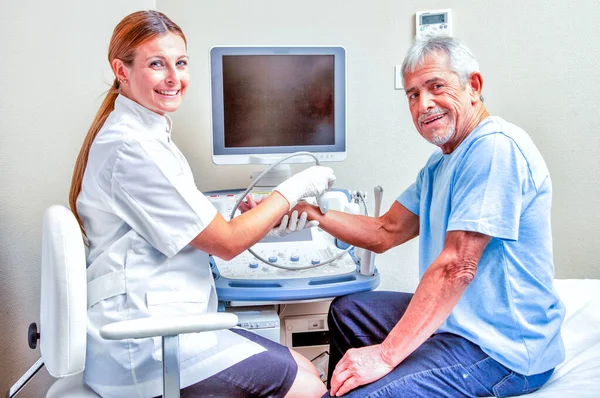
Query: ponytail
point(105, 109)
point(128, 35)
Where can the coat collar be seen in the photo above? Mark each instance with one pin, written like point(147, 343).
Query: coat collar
point(157, 124)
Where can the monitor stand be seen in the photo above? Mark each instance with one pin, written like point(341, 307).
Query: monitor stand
point(274, 177)
point(282, 171)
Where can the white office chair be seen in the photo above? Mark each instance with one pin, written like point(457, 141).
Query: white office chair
point(63, 316)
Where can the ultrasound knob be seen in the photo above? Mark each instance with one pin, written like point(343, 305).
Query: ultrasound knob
point(315, 261)
point(272, 259)
point(253, 264)
point(294, 257)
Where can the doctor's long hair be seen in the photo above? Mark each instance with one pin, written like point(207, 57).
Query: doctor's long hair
point(129, 34)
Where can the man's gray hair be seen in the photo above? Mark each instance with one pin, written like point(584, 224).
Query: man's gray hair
point(461, 59)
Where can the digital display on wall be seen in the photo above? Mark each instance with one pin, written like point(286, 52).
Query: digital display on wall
point(433, 19)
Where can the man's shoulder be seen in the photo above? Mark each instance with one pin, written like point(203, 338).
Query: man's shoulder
point(494, 127)
point(498, 130)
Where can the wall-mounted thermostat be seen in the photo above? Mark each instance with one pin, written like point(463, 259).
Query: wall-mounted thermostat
point(434, 22)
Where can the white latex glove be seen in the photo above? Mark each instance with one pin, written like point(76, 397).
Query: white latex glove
point(291, 224)
point(313, 181)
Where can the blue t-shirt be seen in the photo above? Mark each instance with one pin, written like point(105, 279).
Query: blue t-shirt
point(496, 183)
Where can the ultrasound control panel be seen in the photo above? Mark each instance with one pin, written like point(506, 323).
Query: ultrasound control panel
point(288, 254)
point(247, 279)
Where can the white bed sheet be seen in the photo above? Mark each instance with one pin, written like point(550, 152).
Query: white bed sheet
point(579, 374)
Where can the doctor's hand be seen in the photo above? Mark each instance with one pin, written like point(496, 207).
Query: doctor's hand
point(291, 223)
point(313, 181)
point(357, 367)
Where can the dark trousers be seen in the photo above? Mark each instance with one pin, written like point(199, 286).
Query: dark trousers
point(270, 373)
point(445, 365)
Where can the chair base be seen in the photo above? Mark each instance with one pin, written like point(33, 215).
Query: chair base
point(71, 387)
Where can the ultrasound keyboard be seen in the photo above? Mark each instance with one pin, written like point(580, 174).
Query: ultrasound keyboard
point(288, 254)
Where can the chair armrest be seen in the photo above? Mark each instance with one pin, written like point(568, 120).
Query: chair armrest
point(168, 326)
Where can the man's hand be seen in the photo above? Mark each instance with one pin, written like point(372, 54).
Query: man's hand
point(311, 210)
point(359, 366)
point(249, 203)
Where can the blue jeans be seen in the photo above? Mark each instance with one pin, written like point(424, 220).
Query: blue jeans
point(445, 365)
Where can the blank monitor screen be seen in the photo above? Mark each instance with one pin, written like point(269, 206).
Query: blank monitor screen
point(277, 100)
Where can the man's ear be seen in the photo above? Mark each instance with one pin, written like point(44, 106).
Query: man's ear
point(476, 84)
point(119, 69)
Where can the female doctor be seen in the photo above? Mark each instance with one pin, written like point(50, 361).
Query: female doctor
point(149, 230)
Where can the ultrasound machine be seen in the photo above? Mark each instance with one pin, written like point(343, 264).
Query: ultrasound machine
point(269, 103)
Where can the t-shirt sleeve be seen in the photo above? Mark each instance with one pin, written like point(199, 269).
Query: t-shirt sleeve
point(411, 197)
point(489, 188)
point(154, 195)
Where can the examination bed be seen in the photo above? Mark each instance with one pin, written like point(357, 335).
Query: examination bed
point(579, 374)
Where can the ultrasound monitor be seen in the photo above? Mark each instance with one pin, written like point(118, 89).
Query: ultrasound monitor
point(268, 102)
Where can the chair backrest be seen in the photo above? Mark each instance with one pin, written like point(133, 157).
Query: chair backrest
point(63, 306)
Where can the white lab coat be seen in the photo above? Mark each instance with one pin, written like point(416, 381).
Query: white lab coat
point(140, 208)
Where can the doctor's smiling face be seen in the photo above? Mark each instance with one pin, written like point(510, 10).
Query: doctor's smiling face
point(442, 107)
point(158, 76)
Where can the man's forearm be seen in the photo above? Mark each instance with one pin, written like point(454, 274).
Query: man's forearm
point(433, 301)
point(355, 230)
point(378, 234)
point(440, 289)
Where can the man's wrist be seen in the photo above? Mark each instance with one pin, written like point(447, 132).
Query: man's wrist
point(389, 354)
point(312, 211)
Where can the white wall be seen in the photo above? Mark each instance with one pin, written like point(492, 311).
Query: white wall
point(539, 67)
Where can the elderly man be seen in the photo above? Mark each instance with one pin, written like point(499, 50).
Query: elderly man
point(485, 319)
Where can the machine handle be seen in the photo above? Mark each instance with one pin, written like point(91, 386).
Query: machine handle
point(367, 261)
point(378, 198)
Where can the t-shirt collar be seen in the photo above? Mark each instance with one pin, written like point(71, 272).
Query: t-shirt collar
point(470, 137)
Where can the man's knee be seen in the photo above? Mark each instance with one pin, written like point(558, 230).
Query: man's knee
point(348, 303)
point(339, 305)
point(373, 312)
point(370, 301)
point(342, 307)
